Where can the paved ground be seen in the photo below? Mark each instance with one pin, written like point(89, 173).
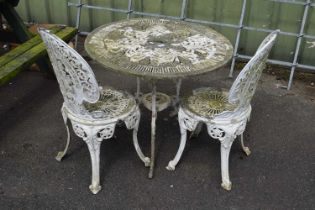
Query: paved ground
point(279, 174)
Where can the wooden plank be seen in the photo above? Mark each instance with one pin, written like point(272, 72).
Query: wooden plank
point(9, 56)
point(11, 69)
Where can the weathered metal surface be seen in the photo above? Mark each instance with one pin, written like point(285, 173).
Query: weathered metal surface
point(225, 115)
point(208, 102)
point(153, 130)
point(93, 111)
point(162, 101)
point(158, 48)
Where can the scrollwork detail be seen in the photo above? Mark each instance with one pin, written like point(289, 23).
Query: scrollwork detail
point(241, 127)
point(186, 121)
point(106, 133)
point(225, 134)
point(79, 131)
point(132, 120)
point(244, 87)
point(75, 77)
point(216, 133)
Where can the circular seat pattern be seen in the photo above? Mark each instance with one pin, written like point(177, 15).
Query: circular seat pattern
point(207, 102)
point(111, 104)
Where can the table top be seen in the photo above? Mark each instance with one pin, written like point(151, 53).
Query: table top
point(158, 48)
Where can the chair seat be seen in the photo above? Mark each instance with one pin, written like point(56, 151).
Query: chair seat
point(111, 104)
point(207, 102)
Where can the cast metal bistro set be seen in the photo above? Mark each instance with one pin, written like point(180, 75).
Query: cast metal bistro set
point(152, 50)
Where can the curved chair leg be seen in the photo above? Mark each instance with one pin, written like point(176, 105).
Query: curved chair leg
point(172, 164)
point(145, 159)
point(245, 149)
point(197, 131)
point(94, 148)
point(225, 152)
point(93, 137)
point(61, 154)
point(132, 122)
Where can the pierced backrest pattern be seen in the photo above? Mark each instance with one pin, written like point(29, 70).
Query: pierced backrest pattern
point(244, 87)
point(75, 77)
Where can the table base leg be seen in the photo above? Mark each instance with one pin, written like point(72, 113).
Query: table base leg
point(138, 93)
point(154, 110)
point(176, 99)
point(153, 130)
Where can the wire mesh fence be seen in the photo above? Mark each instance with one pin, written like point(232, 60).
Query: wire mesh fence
point(240, 28)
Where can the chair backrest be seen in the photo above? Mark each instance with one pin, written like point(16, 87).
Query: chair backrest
point(244, 87)
point(74, 75)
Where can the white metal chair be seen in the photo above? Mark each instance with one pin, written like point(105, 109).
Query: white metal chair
point(93, 111)
point(224, 113)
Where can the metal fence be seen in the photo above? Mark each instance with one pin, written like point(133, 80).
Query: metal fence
point(239, 28)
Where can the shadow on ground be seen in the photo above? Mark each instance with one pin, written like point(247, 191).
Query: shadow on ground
point(278, 175)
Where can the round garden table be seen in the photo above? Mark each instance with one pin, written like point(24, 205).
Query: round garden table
point(155, 49)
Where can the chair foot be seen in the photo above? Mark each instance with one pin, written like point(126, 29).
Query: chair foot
point(150, 175)
point(147, 162)
point(247, 151)
point(227, 186)
point(171, 166)
point(59, 156)
point(95, 189)
point(132, 122)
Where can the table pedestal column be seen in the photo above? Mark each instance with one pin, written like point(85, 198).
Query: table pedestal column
point(156, 101)
point(153, 129)
point(176, 99)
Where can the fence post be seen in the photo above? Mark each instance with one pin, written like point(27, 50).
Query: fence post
point(298, 44)
point(47, 10)
point(307, 4)
point(238, 35)
point(28, 11)
point(129, 9)
point(183, 10)
point(78, 19)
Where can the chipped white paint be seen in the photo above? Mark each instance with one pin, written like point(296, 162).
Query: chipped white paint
point(93, 111)
point(138, 45)
point(159, 48)
point(225, 115)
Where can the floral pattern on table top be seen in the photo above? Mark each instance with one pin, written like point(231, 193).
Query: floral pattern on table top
point(160, 46)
